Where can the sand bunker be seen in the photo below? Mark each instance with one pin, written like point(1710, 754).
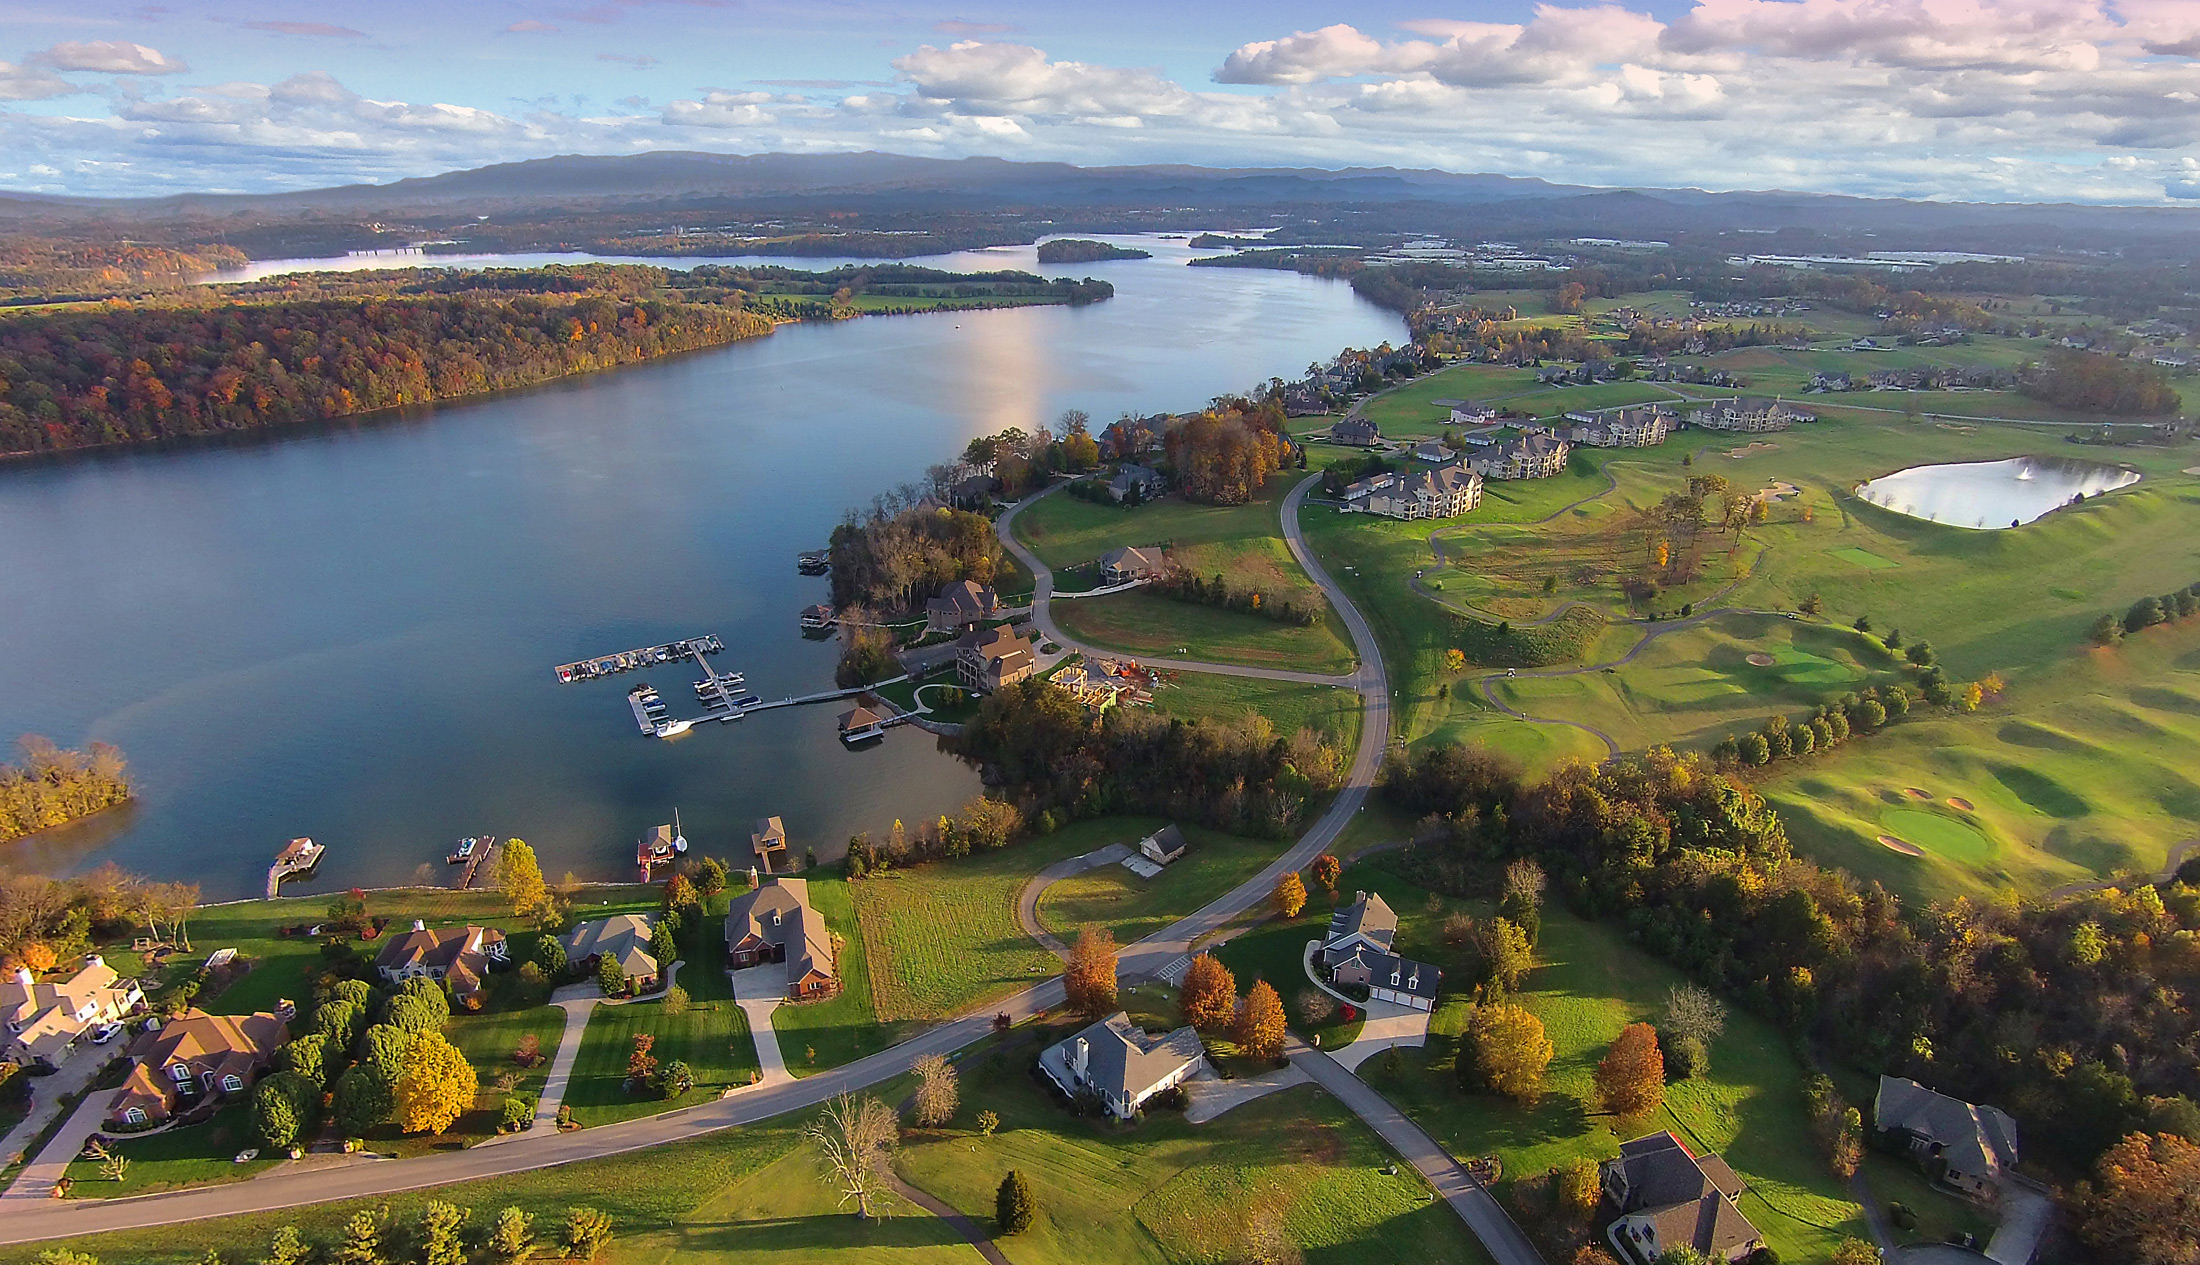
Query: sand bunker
point(1761, 660)
point(1750, 450)
point(1960, 804)
point(1903, 846)
point(1918, 792)
point(1779, 490)
point(2192, 469)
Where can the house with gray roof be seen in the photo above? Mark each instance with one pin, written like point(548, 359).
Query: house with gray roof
point(776, 923)
point(628, 939)
point(1134, 482)
point(1357, 431)
point(1388, 977)
point(1367, 923)
point(962, 605)
point(1668, 1197)
point(1963, 1146)
point(1117, 1061)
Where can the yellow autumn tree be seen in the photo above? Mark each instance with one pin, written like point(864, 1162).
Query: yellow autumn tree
point(1290, 894)
point(1508, 1050)
point(520, 876)
point(1259, 1027)
point(435, 1085)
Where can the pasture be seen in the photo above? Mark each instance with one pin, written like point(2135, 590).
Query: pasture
point(1161, 628)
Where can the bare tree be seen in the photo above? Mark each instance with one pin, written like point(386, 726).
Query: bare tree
point(938, 1092)
point(1524, 882)
point(1692, 1011)
point(857, 1137)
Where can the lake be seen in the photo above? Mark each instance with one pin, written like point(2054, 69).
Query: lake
point(1992, 495)
point(347, 631)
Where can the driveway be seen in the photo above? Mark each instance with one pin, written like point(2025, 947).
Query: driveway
point(2025, 1210)
point(760, 990)
point(37, 1179)
point(1027, 902)
point(48, 1091)
point(1388, 1025)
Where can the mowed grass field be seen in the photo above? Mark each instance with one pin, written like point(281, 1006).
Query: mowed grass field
point(1160, 628)
point(1289, 706)
point(1162, 1192)
point(943, 937)
point(817, 1035)
point(1588, 983)
point(1132, 907)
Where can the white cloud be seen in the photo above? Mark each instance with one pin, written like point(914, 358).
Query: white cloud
point(109, 57)
point(27, 83)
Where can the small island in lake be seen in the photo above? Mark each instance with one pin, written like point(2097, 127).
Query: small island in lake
point(1076, 250)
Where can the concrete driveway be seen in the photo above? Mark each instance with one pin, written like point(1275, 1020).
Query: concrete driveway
point(758, 991)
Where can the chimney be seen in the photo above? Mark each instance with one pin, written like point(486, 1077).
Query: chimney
point(24, 977)
point(1359, 898)
point(418, 925)
point(1079, 1056)
point(93, 959)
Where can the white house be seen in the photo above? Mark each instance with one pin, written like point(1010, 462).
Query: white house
point(1119, 1062)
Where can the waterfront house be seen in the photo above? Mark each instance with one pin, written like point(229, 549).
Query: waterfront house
point(1121, 566)
point(860, 724)
point(47, 1019)
point(1356, 431)
point(458, 957)
point(959, 607)
point(817, 617)
point(1134, 482)
point(628, 939)
point(776, 923)
point(1963, 1146)
point(1536, 456)
point(1668, 1198)
point(194, 1059)
point(769, 839)
point(1120, 1064)
point(991, 658)
point(1367, 923)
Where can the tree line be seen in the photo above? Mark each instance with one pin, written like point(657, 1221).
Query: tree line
point(2094, 383)
point(1180, 584)
point(2145, 613)
point(898, 556)
point(1057, 762)
point(53, 786)
point(56, 269)
point(2068, 1013)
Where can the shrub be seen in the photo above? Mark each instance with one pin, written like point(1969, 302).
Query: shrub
point(519, 1113)
point(587, 1232)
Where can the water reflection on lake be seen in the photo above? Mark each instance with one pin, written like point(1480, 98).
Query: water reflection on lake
point(1989, 495)
point(347, 631)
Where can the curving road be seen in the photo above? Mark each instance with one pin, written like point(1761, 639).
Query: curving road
point(537, 1149)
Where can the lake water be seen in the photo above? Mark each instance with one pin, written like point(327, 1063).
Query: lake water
point(348, 631)
point(1991, 495)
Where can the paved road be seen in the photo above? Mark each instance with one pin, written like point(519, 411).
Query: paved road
point(1505, 1242)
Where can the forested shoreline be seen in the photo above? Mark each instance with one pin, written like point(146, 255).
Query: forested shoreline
point(54, 786)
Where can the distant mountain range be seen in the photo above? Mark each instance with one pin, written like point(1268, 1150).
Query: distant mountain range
point(879, 182)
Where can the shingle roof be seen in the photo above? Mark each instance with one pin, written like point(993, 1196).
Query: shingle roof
point(626, 938)
point(1403, 975)
point(1122, 1061)
point(1979, 1141)
point(207, 1041)
point(1367, 915)
point(1689, 1199)
point(798, 928)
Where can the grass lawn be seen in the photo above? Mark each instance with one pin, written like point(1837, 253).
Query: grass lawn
point(712, 1035)
point(1141, 623)
point(1133, 907)
point(1940, 1216)
point(1588, 983)
point(841, 1029)
point(1274, 950)
point(1067, 532)
point(1161, 1192)
point(200, 1155)
point(1290, 707)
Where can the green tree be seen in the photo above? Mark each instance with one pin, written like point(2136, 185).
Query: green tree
point(385, 1047)
point(2144, 613)
point(550, 956)
point(283, 1106)
point(340, 1021)
point(312, 1056)
point(2107, 630)
point(360, 1241)
point(442, 1226)
point(1506, 955)
point(364, 1098)
point(587, 1232)
point(511, 1238)
point(287, 1247)
point(609, 977)
point(1921, 653)
point(710, 876)
point(675, 1001)
point(675, 1078)
point(1013, 1206)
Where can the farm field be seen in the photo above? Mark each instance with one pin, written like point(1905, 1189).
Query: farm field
point(818, 1035)
point(1589, 983)
point(1134, 907)
point(1162, 1192)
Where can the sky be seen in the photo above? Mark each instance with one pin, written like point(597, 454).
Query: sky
point(1973, 100)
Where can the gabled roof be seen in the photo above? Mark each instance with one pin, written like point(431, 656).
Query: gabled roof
point(1123, 1062)
point(1979, 1141)
point(1404, 975)
point(627, 939)
point(1131, 556)
point(770, 831)
point(1688, 1198)
point(1368, 915)
point(448, 948)
point(797, 926)
point(994, 643)
point(965, 597)
point(206, 1042)
point(859, 718)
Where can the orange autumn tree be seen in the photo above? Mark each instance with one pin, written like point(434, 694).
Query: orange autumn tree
point(2143, 1205)
point(1259, 1027)
point(1327, 870)
point(1631, 1077)
point(1209, 995)
point(1089, 979)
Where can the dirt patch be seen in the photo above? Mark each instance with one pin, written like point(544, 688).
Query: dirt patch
point(1759, 659)
point(1960, 430)
point(1918, 792)
point(1750, 449)
point(1903, 846)
point(1960, 804)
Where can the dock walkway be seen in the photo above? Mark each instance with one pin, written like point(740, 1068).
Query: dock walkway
point(484, 849)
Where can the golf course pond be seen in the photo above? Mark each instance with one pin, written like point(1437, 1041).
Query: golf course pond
point(1988, 495)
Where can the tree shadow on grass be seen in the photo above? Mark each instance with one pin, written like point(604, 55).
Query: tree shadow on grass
point(908, 1228)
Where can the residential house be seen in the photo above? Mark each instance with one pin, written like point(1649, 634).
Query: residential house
point(1367, 923)
point(972, 492)
point(776, 923)
point(1133, 482)
point(1356, 431)
point(1388, 977)
point(1472, 413)
point(1668, 1197)
point(193, 1059)
point(1444, 492)
point(628, 939)
point(46, 1020)
point(861, 724)
point(818, 617)
point(1749, 414)
point(1431, 451)
point(991, 658)
point(1964, 1146)
point(1163, 845)
point(1123, 565)
point(457, 956)
point(1529, 457)
point(1117, 1061)
point(1628, 428)
point(960, 606)
point(769, 839)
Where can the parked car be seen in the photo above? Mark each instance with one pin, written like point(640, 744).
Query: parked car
point(106, 1032)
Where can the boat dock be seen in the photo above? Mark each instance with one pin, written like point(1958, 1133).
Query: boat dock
point(477, 865)
point(628, 660)
point(299, 857)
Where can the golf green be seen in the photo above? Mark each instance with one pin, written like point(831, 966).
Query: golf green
point(1864, 558)
point(1944, 837)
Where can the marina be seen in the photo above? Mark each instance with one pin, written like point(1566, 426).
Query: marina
point(628, 660)
point(814, 562)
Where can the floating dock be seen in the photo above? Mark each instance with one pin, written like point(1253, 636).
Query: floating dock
point(299, 857)
point(628, 660)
